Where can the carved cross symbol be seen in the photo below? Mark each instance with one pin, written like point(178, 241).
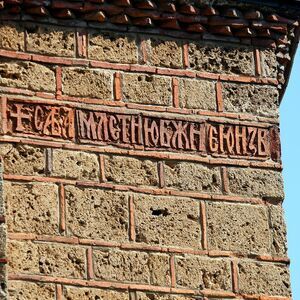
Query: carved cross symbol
point(19, 116)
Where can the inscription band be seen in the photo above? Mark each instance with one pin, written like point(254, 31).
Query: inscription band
point(132, 130)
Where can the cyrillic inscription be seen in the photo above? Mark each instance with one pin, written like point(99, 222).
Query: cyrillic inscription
point(140, 130)
point(45, 120)
point(130, 130)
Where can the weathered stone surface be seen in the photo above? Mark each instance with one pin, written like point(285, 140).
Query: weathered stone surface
point(2, 205)
point(198, 94)
point(130, 266)
point(267, 184)
point(19, 290)
point(152, 296)
point(164, 52)
point(278, 227)
point(11, 37)
point(129, 170)
point(98, 214)
point(203, 273)
point(147, 89)
point(32, 207)
point(75, 293)
point(46, 259)
point(87, 83)
point(23, 159)
point(192, 176)
point(167, 221)
point(264, 278)
point(241, 228)
point(27, 75)
point(51, 40)
point(75, 165)
point(2, 240)
point(269, 63)
point(221, 59)
point(3, 287)
point(260, 100)
point(108, 46)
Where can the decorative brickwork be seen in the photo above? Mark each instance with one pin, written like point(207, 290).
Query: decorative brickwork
point(142, 164)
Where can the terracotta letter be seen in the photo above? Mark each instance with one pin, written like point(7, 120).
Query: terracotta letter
point(213, 143)
point(221, 138)
point(38, 117)
point(136, 130)
point(102, 126)
point(263, 143)
point(52, 126)
point(68, 130)
point(151, 132)
point(200, 143)
point(252, 131)
point(19, 115)
point(87, 127)
point(180, 135)
point(240, 137)
point(114, 128)
point(165, 136)
point(124, 127)
point(229, 139)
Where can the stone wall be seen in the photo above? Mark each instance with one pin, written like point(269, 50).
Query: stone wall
point(3, 236)
point(91, 216)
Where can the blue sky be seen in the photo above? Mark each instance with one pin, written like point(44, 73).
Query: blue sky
point(290, 140)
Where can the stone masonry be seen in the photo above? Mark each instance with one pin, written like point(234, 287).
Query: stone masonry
point(142, 164)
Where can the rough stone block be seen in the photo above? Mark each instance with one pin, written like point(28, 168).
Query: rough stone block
point(75, 165)
point(147, 89)
point(252, 99)
point(192, 176)
point(167, 221)
point(221, 59)
point(3, 237)
point(240, 228)
point(267, 184)
point(50, 40)
point(75, 293)
point(11, 37)
point(32, 208)
point(111, 47)
point(130, 266)
point(164, 52)
point(27, 75)
point(20, 290)
point(264, 278)
point(46, 259)
point(97, 214)
point(269, 63)
point(129, 170)
point(279, 242)
point(152, 296)
point(2, 205)
point(197, 94)
point(87, 83)
point(23, 159)
point(3, 280)
point(203, 273)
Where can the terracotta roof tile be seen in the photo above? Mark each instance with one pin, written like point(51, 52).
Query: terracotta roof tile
point(243, 21)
